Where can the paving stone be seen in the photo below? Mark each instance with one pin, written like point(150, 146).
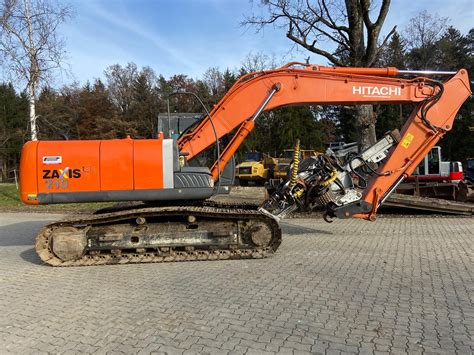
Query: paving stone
point(399, 285)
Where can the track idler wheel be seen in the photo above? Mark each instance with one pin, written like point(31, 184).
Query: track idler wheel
point(260, 234)
point(68, 243)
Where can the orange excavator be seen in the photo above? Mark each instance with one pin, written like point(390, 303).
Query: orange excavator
point(175, 178)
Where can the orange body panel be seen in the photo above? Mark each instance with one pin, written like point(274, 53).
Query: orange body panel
point(147, 164)
point(29, 174)
point(78, 169)
point(49, 167)
point(116, 160)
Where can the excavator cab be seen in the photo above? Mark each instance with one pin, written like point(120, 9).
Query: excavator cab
point(433, 168)
point(470, 169)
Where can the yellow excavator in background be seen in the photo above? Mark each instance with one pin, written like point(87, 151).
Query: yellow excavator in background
point(257, 167)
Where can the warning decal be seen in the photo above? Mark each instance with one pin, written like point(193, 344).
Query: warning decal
point(407, 140)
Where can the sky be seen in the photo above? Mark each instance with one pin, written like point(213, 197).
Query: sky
point(190, 36)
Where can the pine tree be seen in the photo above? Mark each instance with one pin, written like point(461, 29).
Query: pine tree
point(455, 51)
point(13, 109)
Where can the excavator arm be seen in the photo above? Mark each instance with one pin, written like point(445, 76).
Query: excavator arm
point(395, 157)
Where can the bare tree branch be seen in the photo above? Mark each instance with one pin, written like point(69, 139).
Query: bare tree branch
point(373, 29)
point(340, 31)
point(314, 49)
point(385, 40)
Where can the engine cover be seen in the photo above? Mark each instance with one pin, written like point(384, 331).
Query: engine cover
point(108, 170)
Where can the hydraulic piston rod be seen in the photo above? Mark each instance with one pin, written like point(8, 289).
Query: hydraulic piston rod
point(425, 72)
point(272, 92)
point(243, 131)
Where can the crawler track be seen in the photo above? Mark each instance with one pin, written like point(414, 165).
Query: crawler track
point(246, 221)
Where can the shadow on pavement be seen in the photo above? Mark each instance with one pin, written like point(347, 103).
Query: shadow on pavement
point(292, 229)
point(22, 233)
point(30, 256)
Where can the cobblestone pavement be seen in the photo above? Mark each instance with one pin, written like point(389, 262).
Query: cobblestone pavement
point(397, 285)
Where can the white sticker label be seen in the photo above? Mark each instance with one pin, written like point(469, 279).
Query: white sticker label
point(53, 159)
point(375, 91)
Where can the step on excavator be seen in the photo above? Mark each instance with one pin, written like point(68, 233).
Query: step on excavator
point(175, 178)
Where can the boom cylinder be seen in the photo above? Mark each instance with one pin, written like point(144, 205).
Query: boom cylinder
point(240, 135)
point(389, 71)
point(425, 72)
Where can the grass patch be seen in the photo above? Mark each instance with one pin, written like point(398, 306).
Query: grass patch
point(10, 199)
point(9, 195)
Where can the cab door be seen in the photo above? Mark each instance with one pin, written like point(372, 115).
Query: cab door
point(434, 158)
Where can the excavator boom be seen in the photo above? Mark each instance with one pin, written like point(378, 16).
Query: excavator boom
point(438, 102)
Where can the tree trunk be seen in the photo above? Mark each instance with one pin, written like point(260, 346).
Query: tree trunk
point(365, 121)
point(32, 111)
point(4, 177)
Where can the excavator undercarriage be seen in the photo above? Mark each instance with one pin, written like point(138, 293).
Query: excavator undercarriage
point(142, 234)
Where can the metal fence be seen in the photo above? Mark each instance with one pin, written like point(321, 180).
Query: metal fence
point(9, 176)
